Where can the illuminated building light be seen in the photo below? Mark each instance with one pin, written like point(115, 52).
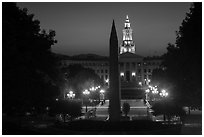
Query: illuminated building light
point(107, 80)
point(122, 74)
point(133, 74)
point(140, 83)
point(148, 80)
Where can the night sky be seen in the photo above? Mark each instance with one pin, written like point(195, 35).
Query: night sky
point(85, 27)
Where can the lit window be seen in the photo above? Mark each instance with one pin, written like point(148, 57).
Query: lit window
point(133, 74)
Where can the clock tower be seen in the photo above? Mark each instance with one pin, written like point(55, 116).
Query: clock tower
point(127, 44)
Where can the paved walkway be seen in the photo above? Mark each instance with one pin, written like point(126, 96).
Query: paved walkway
point(137, 109)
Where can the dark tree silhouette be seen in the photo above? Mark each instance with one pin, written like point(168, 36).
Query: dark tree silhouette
point(80, 78)
point(29, 71)
point(183, 61)
point(64, 107)
point(168, 108)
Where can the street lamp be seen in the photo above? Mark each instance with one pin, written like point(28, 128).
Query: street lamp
point(163, 93)
point(154, 90)
point(92, 89)
point(70, 95)
point(102, 95)
point(147, 90)
point(86, 93)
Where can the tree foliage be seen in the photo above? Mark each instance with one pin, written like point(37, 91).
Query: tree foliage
point(126, 108)
point(28, 65)
point(183, 61)
point(72, 108)
point(80, 78)
point(168, 108)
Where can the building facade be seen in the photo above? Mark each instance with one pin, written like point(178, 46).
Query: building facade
point(135, 70)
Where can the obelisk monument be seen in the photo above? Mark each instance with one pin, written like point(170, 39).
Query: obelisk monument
point(114, 103)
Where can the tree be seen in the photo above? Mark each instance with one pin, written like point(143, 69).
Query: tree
point(80, 78)
point(168, 108)
point(64, 107)
point(126, 108)
point(28, 65)
point(183, 61)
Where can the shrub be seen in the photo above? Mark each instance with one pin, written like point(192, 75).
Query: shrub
point(126, 108)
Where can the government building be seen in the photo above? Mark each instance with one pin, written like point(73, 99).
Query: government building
point(135, 70)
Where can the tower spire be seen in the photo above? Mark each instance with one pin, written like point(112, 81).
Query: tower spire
point(127, 22)
point(127, 44)
point(127, 19)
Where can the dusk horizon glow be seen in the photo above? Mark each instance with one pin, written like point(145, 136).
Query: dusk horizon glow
point(83, 28)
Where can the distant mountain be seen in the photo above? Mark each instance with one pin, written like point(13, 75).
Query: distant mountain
point(81, 57)
point(98, 57)
point(89, 57)
point(61, 56)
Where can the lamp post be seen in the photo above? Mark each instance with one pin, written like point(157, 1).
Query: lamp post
point(147, 91)
point(163, 93)
point(70, 95)
point(155, 92)
point(102, 95)
point(86, 93)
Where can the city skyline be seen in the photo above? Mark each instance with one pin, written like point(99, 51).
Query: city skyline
point(83, 28)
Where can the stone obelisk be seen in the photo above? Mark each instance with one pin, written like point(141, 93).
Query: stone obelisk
point(114, 103)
